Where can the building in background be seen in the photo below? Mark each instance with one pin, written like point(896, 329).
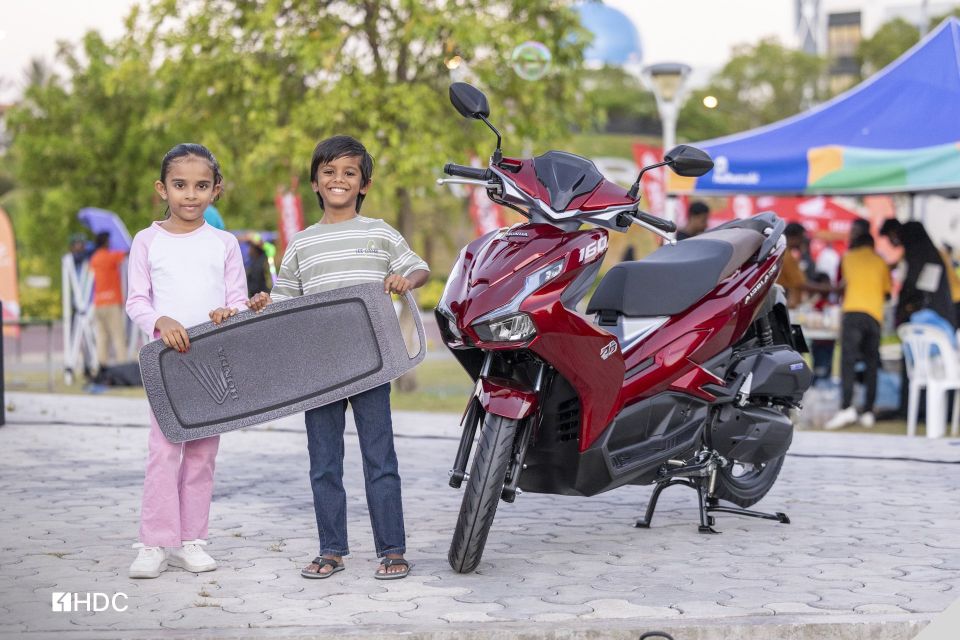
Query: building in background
point(835, 28)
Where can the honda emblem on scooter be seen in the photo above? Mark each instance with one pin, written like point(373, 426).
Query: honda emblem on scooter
point(699, 363)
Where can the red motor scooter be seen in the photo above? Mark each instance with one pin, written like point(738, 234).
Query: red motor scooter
point(683, 370)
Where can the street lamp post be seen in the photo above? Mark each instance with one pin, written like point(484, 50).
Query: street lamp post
point(667, 81)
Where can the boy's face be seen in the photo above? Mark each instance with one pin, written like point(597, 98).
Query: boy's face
point(339, 182)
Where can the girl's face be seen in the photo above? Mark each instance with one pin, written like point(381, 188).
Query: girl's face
point(188, 189)
point(339, 183)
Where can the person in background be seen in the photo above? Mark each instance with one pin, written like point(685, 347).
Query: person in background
point(258, 269)
point(792, 277)
point(925, 285)
point(213, 218)
point(946, 253)
point(698, 215)
point(79, 251)
point(866, 282)
point(822, 350)
point(108, 301)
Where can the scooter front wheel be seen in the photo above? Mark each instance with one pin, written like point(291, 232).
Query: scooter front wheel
point(482, 493)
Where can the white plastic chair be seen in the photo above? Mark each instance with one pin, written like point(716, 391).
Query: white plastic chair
point(932, 362)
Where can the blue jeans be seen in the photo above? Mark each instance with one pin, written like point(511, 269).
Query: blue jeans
point(325, 426)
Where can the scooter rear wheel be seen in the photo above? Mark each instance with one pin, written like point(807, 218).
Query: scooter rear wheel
point(482, 493)
point(746, 485)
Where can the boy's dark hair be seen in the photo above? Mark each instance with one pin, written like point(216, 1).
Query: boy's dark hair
point(698, 208)
point(335, 147)
point(794, 230)
point(103, 239)
point(190, 149)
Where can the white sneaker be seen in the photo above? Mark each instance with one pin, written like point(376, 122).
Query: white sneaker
point(843, 418)
point(867, 420)
point(150, 562)
point(192, 557)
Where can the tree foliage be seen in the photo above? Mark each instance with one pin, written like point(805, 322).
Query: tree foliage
point(886, 45)
point(260, 81)
point(761, 84)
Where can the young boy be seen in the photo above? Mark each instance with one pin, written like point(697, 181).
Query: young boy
point(341, 250)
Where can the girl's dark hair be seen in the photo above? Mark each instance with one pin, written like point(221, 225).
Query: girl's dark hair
point(339, 147)
point(190, 149)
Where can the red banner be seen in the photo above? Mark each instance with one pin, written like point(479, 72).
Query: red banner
point(9, 291)
point(654, 183)
point(826, 222)
point(487, 216)
point(289, 217)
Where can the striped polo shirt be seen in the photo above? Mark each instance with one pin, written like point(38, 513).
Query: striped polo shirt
point(330, 256)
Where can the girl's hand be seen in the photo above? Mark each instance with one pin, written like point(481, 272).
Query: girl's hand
point(395, 283)
point(259, 301)
point(222, 313)
point(173, 334)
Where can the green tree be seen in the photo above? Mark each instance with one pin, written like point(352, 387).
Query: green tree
point(84, 140)
point(886, 45)
point(620, 101)
point(260, 81)
point(761, 84)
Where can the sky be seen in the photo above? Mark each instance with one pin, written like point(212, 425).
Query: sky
point(697, 32)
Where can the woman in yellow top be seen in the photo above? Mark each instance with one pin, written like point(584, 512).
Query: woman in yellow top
point(866, 281)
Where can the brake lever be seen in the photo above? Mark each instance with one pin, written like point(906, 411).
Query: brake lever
point(488, 184)
point(670, 239)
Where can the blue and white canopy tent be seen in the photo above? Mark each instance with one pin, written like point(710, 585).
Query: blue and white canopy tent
point(897, 132)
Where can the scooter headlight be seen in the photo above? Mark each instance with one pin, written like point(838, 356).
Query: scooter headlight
point(516, 328)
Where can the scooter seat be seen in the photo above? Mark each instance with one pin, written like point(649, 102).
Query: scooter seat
point(674, 277)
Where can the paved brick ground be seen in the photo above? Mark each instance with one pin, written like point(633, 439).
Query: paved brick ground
point(873, 550)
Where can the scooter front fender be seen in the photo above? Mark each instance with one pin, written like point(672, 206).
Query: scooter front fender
point(506, 398)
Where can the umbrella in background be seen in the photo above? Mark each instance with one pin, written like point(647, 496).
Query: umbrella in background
point(101, 220)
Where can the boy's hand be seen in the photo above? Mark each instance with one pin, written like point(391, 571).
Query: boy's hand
point(220, 314)
point(173, 334)
point(395, 283)
point(259, 301)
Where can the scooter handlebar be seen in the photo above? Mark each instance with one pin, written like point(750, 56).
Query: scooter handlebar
point(654, 221)
point(474, 173)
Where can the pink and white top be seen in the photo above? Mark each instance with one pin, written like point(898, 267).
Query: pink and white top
point(183, 276)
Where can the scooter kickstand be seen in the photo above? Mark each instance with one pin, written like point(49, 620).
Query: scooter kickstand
point(644, 522)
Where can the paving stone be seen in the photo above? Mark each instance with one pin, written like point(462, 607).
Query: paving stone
point(860, 544)
point(527, 607)
point(711, 610)
point(793, 608)
point(613, 609)
point(213, 618)
point(416, 587)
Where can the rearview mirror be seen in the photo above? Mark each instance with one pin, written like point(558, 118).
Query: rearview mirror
point(688, 162)
point(469, 101)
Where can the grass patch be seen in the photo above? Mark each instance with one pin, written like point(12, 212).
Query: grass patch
point(593, 145)
point(442, 386)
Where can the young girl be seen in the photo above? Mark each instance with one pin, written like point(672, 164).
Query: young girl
point(182, 272)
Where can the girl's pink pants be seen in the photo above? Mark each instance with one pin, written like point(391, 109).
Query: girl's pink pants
point(177, 489)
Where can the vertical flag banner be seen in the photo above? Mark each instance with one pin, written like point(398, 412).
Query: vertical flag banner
point(289, 217)
point(9, 291)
